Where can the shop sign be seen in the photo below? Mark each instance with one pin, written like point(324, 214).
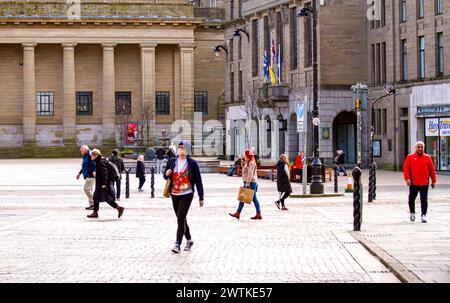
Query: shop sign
point(444, 127)
point(432, 127)
point(433, 110)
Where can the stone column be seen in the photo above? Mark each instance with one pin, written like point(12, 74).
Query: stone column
point(148, 63)
point(108, 93)
point(29, 94)
point(69, 100)
point(187, 81)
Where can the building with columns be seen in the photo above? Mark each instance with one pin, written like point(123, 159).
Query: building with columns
point(78, 75)
point(275, 29)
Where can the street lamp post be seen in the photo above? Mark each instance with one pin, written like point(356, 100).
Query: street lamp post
point(316, 182)
point(360, 96)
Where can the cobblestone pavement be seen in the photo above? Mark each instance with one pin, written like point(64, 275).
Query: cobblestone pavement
point(46, 237)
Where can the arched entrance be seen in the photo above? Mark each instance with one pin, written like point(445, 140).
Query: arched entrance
point(344, 135)
point(293, 137)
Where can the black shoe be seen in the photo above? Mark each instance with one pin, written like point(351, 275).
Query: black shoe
point(90, 207)
point(277, 203)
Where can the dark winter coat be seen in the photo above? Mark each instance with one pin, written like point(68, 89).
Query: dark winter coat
point(140, 169)
point(195, 177)
point(283, 184)
point(160, 154)
point(101, 178)
point(341, 159)
point(118, 162)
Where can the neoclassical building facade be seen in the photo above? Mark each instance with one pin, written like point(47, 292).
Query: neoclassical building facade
point(67, 80)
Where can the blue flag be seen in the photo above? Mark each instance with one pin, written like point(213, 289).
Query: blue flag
point(266, 67)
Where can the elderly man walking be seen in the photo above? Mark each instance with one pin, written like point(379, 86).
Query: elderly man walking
point(417, 171)
point(88, 172)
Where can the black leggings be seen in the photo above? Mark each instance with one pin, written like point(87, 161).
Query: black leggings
point(413, 191)
point(285, 196)
point(97, 205)
point(181, 206)
point(141, 182)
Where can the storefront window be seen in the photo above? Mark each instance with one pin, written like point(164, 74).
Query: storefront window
point(437, 141)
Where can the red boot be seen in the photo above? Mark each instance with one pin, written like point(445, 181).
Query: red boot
point(93, 215)
point(120, 210)
point(257, 217)
point(237, 215)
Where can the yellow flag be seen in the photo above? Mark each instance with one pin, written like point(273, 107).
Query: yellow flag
point(273, 78)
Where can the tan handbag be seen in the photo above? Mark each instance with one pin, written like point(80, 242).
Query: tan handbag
point(166, 193)
point(245, 195)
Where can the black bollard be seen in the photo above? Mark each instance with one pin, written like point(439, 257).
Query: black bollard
point(357, 199)
point(371, 182)
point(127, 183)
point(336, 175)
point(152, 183)
point(374, 187)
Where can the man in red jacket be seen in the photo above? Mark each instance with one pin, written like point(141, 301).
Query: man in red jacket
point(417, 171)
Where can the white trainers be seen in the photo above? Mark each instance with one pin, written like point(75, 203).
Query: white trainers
point(412, 217)
point(176, 249)
point(188, 245)
point(424, 218)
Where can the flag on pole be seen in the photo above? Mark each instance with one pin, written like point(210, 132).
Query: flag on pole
point(273, 77)
point(279, 64)
point(273, 56)
point(266, 67)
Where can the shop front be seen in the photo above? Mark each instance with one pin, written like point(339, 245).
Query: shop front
point(437, 136)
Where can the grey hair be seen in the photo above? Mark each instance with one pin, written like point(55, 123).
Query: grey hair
point(420, 143)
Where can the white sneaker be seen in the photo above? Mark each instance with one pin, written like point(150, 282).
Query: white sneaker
point(188, 245)
point(424, 219)
point(176, 249)
point(412, 217)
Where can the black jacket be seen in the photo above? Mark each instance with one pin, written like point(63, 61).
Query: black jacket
point(283, 183)
point(195, 177)
point(340, 159)
point(118, 162)
point(140, 169)
point(160, 154)
point(101, 178)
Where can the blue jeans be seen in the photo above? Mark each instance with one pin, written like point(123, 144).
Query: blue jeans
point(232, 170)
point(253, 186)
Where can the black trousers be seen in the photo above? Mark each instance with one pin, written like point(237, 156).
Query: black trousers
point(141, 182)
point(118, 184)
point(284, 197)
point(413, 191)
point(181, 206)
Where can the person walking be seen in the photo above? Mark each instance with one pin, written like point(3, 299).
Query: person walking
point(184, 174)
point(88, 172)
point(340, 160)
point(103, 187)
point(298, 166)
point(235, 166)
point(283, 185)
point(418, 168)
point(160, 155)
point(249, 176)
point(116, 160)
point(140, 171)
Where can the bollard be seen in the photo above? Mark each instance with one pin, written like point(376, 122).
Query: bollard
point(336, 175)
point(127, 183)
point(357, 199)
point(152, 183)
point(371, 183)
point(374, 188)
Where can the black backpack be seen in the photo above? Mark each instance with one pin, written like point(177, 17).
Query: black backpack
point(113, 171)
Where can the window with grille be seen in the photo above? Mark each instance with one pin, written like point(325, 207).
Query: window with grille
point(201, 102)
point(44, 104)
point(163, 103)
point(123, 103)
point(84, 103)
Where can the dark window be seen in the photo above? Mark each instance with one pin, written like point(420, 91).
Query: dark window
point(383, 62)
point(201, 102)
point(294, 37)
point(231, 9)
point(308, 38)
point(378, 121)
point(84, 103)
point(420, 8)
point(439, 7)
point(240, 86)
point(404, 60)
point(240, 8)
point(280, 41)
point(44, 104)
point(123, 103)
point(404, 112)
point(383, 12)
point(231, 49)
point(422, 57)
point(255, 48)
point(384, 121)
point(403, 12)
point(378, 71)
point(232, 87)
point(372, 50)
point(162, 103)
point(440, 54)
point(266, 36)
point(240, 48)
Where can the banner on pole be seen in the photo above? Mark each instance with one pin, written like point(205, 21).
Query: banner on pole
point(300, 111)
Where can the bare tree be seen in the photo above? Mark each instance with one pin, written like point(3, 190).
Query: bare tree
point(123, 117)
point(253, 112)
point(147, 124)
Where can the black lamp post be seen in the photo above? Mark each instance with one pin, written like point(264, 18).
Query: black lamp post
point(316, 183)
point(217, 50)
point(237, 33)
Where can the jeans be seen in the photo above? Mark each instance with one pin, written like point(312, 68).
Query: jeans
point(181, 206)
point(342, 169)
point(413, 191)
point(141, 182)
point(117, 191)
point(159, 166)
point(253, 186)
point(232, 170)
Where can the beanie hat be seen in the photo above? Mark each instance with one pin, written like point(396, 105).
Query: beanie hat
point(187, 146)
